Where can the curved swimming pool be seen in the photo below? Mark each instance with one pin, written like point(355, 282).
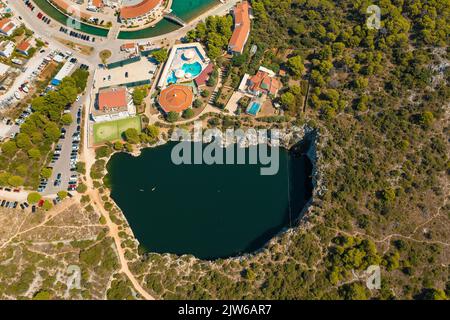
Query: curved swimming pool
point(193, 68)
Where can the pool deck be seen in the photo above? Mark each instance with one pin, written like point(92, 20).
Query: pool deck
point(175, 61)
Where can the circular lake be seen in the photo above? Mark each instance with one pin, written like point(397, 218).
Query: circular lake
point(209, 211)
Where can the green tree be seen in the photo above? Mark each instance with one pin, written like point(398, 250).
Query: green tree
point(34, 153)
point(426, 119)
point(9, 148)
point(160, 55)
point(295, 65)
point(152, 131)
point(46, 173)
point(139, 95)
point(82, 188)
point(188, 113)
point(66, 119)
point(47, 205)
point(172, 116)
point(118, 146)
point(62, 194)
point(15, 181)
point(23, 141)
point(33, 197)
point(131, 136)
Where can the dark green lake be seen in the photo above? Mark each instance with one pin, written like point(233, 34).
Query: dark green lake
point(209, 211)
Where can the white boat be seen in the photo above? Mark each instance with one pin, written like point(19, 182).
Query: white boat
point(17, 95)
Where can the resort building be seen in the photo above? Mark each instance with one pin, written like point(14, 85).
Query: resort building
point(176, 98)
point(130, 47)
point(66, 70)
point(264, 82)
point(7, 27)
point(139, 12)
point(95, 5)
point(24, 47)
point(242, 26)
point(204, 76)
point(259, 87)
point(71, 9)
point(6, 48)
point(112, 104)
point(185, 63)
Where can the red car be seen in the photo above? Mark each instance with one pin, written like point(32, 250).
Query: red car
point(41, 203)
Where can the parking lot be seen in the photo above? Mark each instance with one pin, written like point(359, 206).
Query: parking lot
point(66, 155)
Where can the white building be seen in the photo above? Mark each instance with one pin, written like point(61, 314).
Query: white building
point(113, 104)
point(7, 27)
point(64, 72)
point(7, 48)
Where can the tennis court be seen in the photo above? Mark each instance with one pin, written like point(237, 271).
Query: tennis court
point(112, 130)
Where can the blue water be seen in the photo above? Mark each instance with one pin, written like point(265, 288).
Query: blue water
point(193, 68)
point(254, 108)
point(171, 79)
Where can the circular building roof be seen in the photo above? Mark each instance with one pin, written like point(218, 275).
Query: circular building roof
point(176, 98)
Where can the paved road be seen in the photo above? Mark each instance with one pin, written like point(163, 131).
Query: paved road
point(46, 32)
point(62, 165)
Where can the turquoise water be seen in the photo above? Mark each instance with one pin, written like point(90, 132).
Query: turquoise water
point(171, 79)
point(185, 9)
point(193, 68)
point(210, 211)
point(57, 15)
point(254, 108)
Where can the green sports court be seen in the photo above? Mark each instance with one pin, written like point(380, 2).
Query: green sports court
point(112, 130)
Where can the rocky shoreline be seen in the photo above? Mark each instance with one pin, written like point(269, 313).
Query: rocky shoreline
point(288, 140)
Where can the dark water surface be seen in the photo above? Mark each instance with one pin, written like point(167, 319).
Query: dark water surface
point(210, 211)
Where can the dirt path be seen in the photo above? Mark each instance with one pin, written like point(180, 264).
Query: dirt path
point(89, 158)
point(51, 214)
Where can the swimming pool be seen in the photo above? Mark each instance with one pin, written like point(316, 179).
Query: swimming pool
point(254, 107)
point(193, 68)
point(172, 79)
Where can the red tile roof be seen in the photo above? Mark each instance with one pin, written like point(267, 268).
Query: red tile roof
point(71, 9)
point(6, 24)
point(112, 99)
point(241, 27)
point(204, 76)
point(263, 82)
point(97, 3)
point(131, 12)
point(176, 98)
point(23, 46)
